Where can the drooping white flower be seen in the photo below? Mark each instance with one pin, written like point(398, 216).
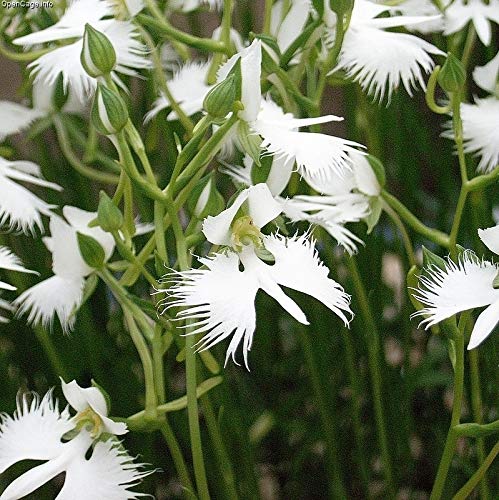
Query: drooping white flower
point(481, 119)
point(461, 286)
point(219, 298)
point(19, 207)
point(459, 13)
point(62, 293)
point(130, 53)
point(39, 431)
point(188, 87)
point(380, 61)
point(314, 154)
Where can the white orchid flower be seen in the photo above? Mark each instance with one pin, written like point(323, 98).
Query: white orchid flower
point(62, 293)
point(19, 207)
point(381, 60)
point(39, 431)
point(315, 154)
point(459, 13)
point(130, 53)
point(219, 298)
point(461, 286)
point(188, 87)
point(481, 119)
point(343, 198)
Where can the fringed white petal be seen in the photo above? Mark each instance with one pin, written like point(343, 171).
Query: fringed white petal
point(109, 473)
point(34, 431)
point(481, 131)
point(54, 296)
point(490, 238)
point(458, 287)
point(298, 266)
point(19, 207)
point(14, 118)
point(219, 300)
point(71, 24)
point(11, 262)
point(188, 87)
point(380, 61)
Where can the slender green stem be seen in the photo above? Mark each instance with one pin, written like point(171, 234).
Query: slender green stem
point(452, 435)
point(469, 44)
point(267, 17)
point(22, 56)
point(476, 405)
point(75, 162)
point(335, 483)
point(412, 221)
point(178, 459)
point(225, 28)
point(372, 339)
point(482, 181)
point(430, 94)
point(466, 490)
point(223, 459)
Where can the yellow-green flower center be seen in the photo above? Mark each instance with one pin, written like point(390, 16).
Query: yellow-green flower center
point(244, 232)
point(89, 420)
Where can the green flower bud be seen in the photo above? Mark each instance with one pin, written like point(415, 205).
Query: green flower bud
point(91, 251)
point(109, 215)
point(219, 100)
point(98, 56)
point(341, 6)
point(205, 199)
point(60, 94)
point(250, 142)
point(452, 76)
point(109, 112)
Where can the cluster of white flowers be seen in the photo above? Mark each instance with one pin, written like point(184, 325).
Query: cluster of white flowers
point(262, 153)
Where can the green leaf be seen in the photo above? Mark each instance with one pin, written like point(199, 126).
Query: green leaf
point(91, 250)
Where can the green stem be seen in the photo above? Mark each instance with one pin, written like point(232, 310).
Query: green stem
point(375, 372)
point(267, 17)
point(75, 162)
point(476, 404)
point(335, 484)
point(411, 220)
point(469, 45)
point(22, 56)
point(466, 490)
point(452, 435)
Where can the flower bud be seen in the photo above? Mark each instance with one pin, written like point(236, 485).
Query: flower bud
point(452, 76)
point(205, 199)
point(60, 94)
point(218, 102)
point(109, 112)
point(91, 251)
point(98, 56)
point(249, 141)
point(341, 6)
point(109, 215)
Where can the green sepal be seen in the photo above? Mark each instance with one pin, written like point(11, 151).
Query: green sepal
point(451, 350)
point(91, 251)
point(260, 173)
point(60, 95)
point(109, 215)
point(376, 209)
point(341, 6)
point(250, 141)
point(105, 394)
point(431, 259)
point(205, 198)
point(269, 41)
point(109, 112)
point(495, 283)
point(378, 169)
point(452, 76)
point(219, 100)
point(412, 280)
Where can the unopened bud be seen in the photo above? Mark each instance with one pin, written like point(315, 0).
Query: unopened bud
point(109, 112)
point(109, 215)
point(218, 102)
point(98, 56)
point(452, 76)
point(341, 6)
point(60, 94)
point(91, 251)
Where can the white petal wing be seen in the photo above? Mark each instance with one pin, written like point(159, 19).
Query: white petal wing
point(108, 474)
point(298, 266)
point(15, 117)
point(457, 288)
point(11, 262)
point(490, 238)
point(486, 76)
point(381, 60)
point(54, 296)
point(219, 299)
point(484, 325)
point(33, 432)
